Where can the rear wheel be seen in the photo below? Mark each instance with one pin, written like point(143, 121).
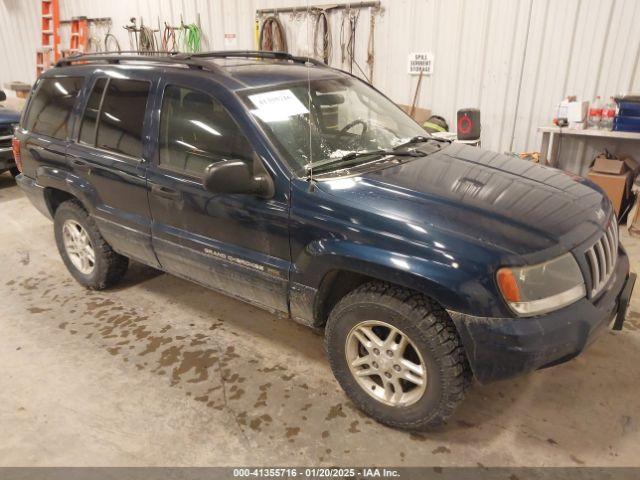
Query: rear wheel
point(87, 256)
point(397, 355)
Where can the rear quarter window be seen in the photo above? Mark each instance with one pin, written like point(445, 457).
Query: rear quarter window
point(50, 109)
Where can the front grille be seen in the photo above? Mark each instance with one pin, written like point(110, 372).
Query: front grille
point(602, 257)
point(6, 133)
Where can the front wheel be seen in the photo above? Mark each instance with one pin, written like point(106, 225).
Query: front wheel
point(397, 355)
point(14, 172)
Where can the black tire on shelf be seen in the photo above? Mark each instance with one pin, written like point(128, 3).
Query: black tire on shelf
point(428, 326)
point(109, 267)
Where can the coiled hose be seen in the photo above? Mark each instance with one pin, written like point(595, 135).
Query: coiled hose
point(192, 38)
point(272, 35)
point(322, 23)
point(147, 40)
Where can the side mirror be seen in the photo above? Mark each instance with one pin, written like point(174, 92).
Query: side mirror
point(235, 176)
point(3, 96)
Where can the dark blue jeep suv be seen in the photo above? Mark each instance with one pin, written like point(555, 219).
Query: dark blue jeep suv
point(305, 191)
point(8, 120)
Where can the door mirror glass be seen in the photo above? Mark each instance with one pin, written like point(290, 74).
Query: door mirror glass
point(236, 176)
point(3, 96)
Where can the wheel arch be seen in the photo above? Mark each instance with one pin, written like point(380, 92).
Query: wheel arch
point(324, 273)
point(61, 185)
point(338, 282)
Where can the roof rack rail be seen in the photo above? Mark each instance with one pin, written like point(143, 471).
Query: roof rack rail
point(275, 55)
point(168, 58)
point(191, 60)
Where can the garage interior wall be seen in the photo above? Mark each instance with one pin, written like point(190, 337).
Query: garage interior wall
point(513, 59)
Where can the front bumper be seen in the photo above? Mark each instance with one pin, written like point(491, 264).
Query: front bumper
point(500, 348)
point(6, 159)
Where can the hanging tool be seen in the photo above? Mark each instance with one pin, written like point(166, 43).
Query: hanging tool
point(272, 35)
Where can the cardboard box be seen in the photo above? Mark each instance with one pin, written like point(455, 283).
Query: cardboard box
point(615, 186)
point(420, 115)
point(609, 165)
point(577, 112)
point(633, 219)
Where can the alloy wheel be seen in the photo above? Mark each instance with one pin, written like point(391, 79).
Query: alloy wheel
point(78, 247)
point(386, 363)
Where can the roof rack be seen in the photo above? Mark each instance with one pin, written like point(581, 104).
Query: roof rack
point(253, 54)
point(191, 60)
point(129, 56)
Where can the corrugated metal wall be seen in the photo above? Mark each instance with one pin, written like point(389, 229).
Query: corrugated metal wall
point(514, 59)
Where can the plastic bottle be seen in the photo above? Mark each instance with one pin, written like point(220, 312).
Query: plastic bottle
point(608, 114)
point(595, 113)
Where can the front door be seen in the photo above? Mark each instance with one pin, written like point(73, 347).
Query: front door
point(237, 244)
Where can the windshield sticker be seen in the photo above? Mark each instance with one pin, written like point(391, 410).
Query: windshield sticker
point(277, 106)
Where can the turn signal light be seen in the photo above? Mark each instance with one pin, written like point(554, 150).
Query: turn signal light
point(508, 285)
point(15, 146)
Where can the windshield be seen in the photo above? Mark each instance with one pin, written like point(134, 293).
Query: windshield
point(340, 117)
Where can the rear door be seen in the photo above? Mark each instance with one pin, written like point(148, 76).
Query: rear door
point(237, 244)
point(111, 153)
point(47, 124)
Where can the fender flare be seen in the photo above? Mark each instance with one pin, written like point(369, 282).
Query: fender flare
point(451, 285)
point(50, 177)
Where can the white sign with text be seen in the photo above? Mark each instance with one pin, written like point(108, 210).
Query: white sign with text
point(420, 62)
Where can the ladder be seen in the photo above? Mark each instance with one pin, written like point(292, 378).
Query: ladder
point(50, 37)
point(79, 42)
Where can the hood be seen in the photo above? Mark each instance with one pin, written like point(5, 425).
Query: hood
point(8, 116)
point(496, 199)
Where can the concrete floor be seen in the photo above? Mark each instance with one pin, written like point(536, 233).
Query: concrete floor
point(163, 372)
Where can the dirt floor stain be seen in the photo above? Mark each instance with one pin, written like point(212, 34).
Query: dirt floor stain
point(335, 412)
point(292, 432)
point(38, 310)
point(440, 449)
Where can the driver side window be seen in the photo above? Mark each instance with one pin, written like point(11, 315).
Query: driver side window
point(196, 131)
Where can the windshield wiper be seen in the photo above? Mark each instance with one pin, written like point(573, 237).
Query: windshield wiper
point(421, 139)
point(349, 158)
point(412, 140)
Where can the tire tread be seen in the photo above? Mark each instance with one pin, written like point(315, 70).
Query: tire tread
point(435, 328)
point(116, 264)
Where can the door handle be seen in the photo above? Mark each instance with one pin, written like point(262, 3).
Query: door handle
point(80, 165)
point(166, 192)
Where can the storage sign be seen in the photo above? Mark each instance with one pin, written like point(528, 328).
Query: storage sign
point(421, 62)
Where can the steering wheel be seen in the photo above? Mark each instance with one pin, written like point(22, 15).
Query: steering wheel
point(350, 125)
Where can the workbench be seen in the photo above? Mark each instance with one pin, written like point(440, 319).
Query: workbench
point(615, 142)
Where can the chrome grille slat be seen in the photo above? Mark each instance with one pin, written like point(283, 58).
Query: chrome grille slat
point(602, 257)
point(607, 250)
point(603, 263)
point(593, 263)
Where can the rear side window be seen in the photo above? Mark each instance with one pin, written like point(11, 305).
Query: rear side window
point(196, 131)
point(50, 108)
point(122, 116)
point(90, 118)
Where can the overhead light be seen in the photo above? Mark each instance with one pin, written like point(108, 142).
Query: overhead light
point(114, 118)
point(60, 88)
point(205, 127)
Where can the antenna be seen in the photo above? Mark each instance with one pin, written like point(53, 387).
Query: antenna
point(308, 65)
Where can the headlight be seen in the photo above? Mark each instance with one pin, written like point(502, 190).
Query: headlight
point(537, 289)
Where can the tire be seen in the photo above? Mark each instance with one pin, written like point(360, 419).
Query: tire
point(108, 267)
point(14, 172)
point(433, 339)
